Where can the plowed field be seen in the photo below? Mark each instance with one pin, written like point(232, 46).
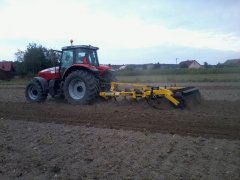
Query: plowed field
point(120, 140)
point(217, 116)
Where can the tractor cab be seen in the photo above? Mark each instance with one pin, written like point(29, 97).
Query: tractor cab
point(73, 58)
point(81, 55)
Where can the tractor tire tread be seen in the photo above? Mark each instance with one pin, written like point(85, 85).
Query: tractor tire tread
point(91, 85)
point(42, 96)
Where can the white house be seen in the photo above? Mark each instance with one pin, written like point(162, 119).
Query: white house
point(192, 64)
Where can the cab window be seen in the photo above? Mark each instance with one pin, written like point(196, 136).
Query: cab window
point(80, 56)
point(90, 55)
point(67, 58)
point(92, 58)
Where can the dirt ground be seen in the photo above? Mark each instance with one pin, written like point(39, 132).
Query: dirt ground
point(117, 140)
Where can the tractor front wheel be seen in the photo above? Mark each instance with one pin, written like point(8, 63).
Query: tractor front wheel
point(81, 87)
point(34, 92)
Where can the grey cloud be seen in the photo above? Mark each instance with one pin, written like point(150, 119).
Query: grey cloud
point(165, 54)
point(199, 15)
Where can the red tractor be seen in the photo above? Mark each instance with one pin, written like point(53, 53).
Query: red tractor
point(79, 77)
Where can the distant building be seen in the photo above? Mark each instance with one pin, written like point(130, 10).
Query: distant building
point(168, 66)
point(116, 67)
point(6, 70)
point(149, 66)
point(122, 67)
point(143, 66)
point(191, 64)
point(140, 66)
point(232, 62)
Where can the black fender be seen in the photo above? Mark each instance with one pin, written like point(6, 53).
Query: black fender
point(51, 87)
point(43, 82)
point(54, 87)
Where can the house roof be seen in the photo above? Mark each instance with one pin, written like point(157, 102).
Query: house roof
point(6, 65)
point(187, 63)
point(232, 62)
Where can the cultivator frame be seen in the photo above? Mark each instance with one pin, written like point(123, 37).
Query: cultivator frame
point(173, 94)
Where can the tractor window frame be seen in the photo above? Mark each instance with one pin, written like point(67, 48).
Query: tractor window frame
point(78, 59)
point(90, 54)
point(93, 55)
point(62, 66)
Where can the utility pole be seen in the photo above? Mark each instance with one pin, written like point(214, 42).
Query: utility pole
point(176, 60)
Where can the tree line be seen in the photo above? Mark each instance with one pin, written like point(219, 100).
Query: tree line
point(33, 59)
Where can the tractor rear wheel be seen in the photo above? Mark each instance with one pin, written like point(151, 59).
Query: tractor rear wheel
point(34, 92)
point(81, 87)
point(108, 78)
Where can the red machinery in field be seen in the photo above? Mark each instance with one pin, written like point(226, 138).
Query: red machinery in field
point(80, 79)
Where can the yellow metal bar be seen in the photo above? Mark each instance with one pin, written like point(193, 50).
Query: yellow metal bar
point(146, 92)
point(167, 94)
point(172, 99)
point(131, 84)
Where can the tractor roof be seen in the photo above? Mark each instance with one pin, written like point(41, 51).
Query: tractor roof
point(80, 47)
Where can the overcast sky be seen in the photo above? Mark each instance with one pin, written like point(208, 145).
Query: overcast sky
point(127, 31)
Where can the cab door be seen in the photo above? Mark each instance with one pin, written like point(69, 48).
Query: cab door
point(66, 61)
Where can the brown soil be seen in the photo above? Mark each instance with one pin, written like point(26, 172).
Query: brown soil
point(212, 118)
point(30, 150)
point(108, 144)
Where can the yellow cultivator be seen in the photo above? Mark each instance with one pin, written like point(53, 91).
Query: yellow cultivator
point(153, 94)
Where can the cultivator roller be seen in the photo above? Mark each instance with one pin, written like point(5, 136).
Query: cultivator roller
point(154, 95)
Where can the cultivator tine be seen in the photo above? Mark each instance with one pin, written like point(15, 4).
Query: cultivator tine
point(157, 102)
point(115, 99)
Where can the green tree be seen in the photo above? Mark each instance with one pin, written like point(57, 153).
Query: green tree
point(206, 65)
point(35, 58)
point(52, 57)
point(19, 55)
point(19, 64)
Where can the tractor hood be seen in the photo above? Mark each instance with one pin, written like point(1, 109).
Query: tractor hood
point(49, 73)
point(53, 72)
point(104, 68)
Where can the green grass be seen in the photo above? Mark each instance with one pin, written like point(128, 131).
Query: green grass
point(234, 77)
point(15, 81)
point(182, 71)
point(224, 74)
point(164, 75)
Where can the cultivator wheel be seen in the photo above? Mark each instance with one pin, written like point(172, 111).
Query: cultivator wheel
point(161, 103)
point(158, 102)
point(193, 99)
point(182, 102)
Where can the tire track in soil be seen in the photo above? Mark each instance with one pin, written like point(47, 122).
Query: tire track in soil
point(210, 119)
